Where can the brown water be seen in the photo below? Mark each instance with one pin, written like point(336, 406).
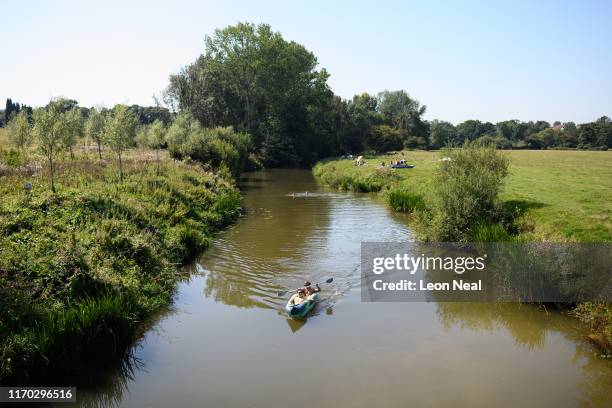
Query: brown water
point(227, 343)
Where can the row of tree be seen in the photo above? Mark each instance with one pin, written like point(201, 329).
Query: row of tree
point(144, 114)
point(514, 134)
point(57, 127)
point(250, 78)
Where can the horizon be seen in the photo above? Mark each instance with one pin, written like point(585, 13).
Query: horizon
point(547, 61)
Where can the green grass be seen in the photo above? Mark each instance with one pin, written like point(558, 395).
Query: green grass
point(559, 195)
point(81, 268)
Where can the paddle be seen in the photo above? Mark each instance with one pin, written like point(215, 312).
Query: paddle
point(284, 292)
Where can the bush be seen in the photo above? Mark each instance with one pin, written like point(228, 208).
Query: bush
point(12, 157)
point(465, 192)
point(218, 148)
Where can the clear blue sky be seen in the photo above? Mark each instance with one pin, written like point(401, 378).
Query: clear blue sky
point(488, 60)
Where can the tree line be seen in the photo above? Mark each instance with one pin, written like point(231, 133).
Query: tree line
point(250, 78)
point(57, 127)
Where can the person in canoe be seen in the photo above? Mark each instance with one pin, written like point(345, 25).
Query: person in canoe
point(310, 290)
point(299, 297)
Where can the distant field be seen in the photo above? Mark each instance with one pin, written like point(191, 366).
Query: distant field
point(568, 194)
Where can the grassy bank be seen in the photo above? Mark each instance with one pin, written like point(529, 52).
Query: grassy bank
point(561, 195)
point(81, 268)
point(555, 196)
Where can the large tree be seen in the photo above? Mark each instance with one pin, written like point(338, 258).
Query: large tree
point(404, 113)
point(250, 78)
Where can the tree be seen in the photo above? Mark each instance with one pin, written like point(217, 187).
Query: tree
point(73, 129)
point(442, 134)
point(94, 128)
point(49, 127)
point(18, 130)
point(569, 135)
point(178, 134)
point(384, 138)
point(548, 137)
point(473, 129)
point(156, 137)
point(119, 131)
point(587, 136)
point(402, 112)
point(252, 79)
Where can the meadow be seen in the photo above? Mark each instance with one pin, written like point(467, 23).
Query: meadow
point(560, 195)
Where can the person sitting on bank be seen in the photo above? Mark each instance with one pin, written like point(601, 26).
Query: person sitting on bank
point(299, 297)
point(310, 290)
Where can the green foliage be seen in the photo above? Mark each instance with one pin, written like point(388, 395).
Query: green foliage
point(12, 157)
point(372, 182)
point(404, 113)
point(73, 129)
point(49, 129)
point(441, 134)
point(94, 128)
point(80, 268)
point(383, 138)
point(119, 132)
point(19, 131)
point(249, 74)
point(465, 192)
point(484, 232)
point(404, 200)
point(217, 147)
point(598, 317)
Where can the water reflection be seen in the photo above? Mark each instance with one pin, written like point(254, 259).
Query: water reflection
point(529, 326)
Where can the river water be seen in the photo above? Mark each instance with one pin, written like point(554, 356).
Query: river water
point(226, 342)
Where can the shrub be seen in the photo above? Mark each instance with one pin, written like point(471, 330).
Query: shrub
point(465, 192)
point(218, 148)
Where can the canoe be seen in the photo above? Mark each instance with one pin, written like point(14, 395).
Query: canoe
point(301, 310)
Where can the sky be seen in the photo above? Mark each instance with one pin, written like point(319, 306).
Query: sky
point(487, 60)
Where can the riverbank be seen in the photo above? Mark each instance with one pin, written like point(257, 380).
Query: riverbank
point(553, 196)
point(80, 269)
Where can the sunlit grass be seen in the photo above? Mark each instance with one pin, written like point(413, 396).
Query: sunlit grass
point(562, 195)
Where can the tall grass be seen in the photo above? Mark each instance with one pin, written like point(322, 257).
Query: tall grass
point(404, 200)
point(86, 265)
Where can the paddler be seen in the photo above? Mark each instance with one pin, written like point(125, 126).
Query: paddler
point(299, 297)
point(310, 290)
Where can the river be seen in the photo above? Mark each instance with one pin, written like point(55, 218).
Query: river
point(225, 342)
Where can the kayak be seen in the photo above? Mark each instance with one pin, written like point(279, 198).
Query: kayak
point(301, 310)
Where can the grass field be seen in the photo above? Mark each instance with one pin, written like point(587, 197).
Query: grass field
point(565, 195)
